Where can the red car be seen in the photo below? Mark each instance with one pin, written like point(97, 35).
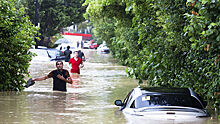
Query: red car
point(94, 46)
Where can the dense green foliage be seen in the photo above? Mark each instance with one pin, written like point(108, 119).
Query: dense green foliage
point(16, 37)
point(164, 42)
point(55, 14)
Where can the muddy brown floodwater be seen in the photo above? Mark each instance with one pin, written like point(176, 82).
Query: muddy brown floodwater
point(90, 99)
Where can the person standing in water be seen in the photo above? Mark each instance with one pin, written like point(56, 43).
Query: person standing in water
point(67, 54)
point(60, 77)
point(81, 55)
point(76, 63)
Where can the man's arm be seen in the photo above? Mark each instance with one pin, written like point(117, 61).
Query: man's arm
point(82, 65)
point(40, 79)
point(70, 62)
point(68, 80)
point(83, 54)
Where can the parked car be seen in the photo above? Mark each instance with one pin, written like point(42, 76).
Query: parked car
point(62, 47)
point(103, 49)
point(86, 45)
point(55, 55)
point(94, 46)
point(156, 103)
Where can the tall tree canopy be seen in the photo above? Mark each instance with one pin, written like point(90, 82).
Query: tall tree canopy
point(55, 14)
point(16, 37)
point(164, 42)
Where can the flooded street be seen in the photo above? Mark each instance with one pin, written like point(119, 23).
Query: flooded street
point(90, 99)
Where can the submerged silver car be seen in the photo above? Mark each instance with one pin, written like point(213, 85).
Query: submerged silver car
point(157, 103)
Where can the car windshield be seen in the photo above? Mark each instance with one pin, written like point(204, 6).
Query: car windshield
point(149, 100)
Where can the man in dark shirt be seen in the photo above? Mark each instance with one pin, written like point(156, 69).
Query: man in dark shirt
point(67, 54)
point(60, 77)
point(81, 55)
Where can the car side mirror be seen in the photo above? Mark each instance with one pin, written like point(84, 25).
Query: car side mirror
point(118, 103)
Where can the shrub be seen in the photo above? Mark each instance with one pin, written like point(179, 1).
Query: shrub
point(16, 38)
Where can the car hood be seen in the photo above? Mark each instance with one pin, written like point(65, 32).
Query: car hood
point(163, 118)
point(176, 111)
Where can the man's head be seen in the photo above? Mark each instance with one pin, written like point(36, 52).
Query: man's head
point(68, 47)
point(76, 53)
point(59, 65)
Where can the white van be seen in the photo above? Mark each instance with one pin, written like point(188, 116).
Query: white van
point(86, 45)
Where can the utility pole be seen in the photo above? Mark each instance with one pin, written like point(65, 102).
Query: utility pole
point(36, 21)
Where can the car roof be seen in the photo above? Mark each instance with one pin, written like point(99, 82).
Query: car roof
point(163, 90)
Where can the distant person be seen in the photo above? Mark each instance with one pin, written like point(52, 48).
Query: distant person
point(60, 77)
point(77, 44)
point(75, 63)
point(67, 53)
point(81, 55)
point(82, 44)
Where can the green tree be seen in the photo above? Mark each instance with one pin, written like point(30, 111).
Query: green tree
point(16, 37)
point(54, 15)
point(166, 43)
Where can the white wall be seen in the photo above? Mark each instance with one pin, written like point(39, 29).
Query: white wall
point(73, 39)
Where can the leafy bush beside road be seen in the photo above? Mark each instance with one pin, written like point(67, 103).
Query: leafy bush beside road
point(16, 36)
point(165, 42)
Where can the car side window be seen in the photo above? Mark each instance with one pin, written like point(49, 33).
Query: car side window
point(133, 104)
